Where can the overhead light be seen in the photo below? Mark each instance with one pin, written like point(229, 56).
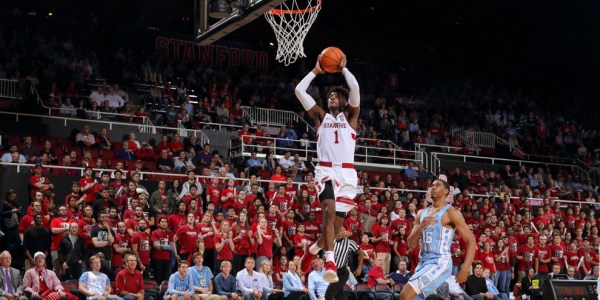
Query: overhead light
point(219, 9)
point(50, 14)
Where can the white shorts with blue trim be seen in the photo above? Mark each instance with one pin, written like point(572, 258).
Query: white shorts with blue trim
point(430, 275)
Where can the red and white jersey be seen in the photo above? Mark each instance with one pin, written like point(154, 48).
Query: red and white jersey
point(336, 140)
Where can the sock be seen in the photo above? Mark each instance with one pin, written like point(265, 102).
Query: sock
point(329, 256)
point(314, 249)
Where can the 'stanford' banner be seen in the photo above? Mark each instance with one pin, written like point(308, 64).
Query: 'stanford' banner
point(213, 54)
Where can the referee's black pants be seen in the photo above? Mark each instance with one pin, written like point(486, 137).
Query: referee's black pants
point(336, 290)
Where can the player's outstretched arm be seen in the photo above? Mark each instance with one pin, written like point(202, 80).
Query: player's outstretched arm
point(354, 96)
point(465, 233)
point(307, 101)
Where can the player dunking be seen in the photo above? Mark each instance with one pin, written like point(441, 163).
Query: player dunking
point(435, 226)
point(335, 177)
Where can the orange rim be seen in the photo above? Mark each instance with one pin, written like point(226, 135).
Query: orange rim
point(279, 12)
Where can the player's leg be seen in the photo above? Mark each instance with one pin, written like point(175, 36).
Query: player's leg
point(328, 224)
point(326, 197)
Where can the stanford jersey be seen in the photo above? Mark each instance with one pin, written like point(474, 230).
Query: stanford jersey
point(336, 139)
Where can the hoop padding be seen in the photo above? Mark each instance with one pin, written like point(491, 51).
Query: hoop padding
point(291, 23)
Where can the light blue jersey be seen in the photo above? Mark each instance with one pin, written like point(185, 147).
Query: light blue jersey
point(435, 258)
point(436, 239)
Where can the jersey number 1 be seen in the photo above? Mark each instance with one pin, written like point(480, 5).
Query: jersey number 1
point(337, 141)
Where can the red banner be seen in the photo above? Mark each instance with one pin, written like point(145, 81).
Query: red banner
point(213, 54)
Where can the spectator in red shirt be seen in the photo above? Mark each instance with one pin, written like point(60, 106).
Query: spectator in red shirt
point(162, 246)
point(38, 182)
point(558, 251)
point(288, 229)
point(224, 243)
point(87, 184)
point(187, 236)
point(245, 136)
point(120, 245)
point(382, 240)
point(526, 256)
point(207, 229)
point(377, 276)
point(140, 244)
point(487, 259)
point(228, 195)
point(281, 201)
point(176, 145)
point(543, 256)
point(129, 281)
point(59, 226)
point(572, 258)
point(242, 237)
point(503, 268)
point(265, 238)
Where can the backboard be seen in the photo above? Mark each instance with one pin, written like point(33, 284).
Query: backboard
point(240, 16)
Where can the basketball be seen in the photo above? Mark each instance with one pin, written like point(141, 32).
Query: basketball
point(330, 59)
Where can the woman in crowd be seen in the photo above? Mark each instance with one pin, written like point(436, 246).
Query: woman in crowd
point(266, 267)
point(293, 289)
point(243, 240)
point(224, 243)
point(265, 238)
point(503, 271)
point(280, 268)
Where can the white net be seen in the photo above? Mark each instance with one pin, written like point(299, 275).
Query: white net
point(291, 23)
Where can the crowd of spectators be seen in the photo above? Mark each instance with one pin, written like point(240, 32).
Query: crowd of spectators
point(226, 220)
point(228, 216)
point(392, 109)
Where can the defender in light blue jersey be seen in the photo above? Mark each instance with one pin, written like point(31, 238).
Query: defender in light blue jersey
point(433, 230)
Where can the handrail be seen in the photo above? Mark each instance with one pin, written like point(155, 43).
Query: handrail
point(475, 138)
point(142, 173)
point(10, 88)
point(100, 114)
point(273, 117)
point(203, 139)
point(510, 148)
point(426, 160)
point(363, 153)
point(269, 117)
point(493, 161)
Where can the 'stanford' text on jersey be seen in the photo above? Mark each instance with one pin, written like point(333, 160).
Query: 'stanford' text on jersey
point(336, 139)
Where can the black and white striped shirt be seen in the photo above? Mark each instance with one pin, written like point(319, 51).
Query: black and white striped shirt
point(342, 249)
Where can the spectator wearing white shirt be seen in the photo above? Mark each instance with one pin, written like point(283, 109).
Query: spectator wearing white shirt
point(286, 161)
point(251, 283)
point(114, 100)
point(85, 138)
point(97, 96)
point(67, 109)
point(8, 156)
point(95, 285)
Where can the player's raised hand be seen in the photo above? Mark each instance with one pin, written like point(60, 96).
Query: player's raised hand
point(317, 70)
point(343, 62)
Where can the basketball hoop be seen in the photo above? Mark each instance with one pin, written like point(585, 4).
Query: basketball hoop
point(291, 23)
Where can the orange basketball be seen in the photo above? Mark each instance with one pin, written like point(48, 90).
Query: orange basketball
point(330, 59)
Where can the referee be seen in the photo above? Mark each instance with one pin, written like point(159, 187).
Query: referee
point(343, 248)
